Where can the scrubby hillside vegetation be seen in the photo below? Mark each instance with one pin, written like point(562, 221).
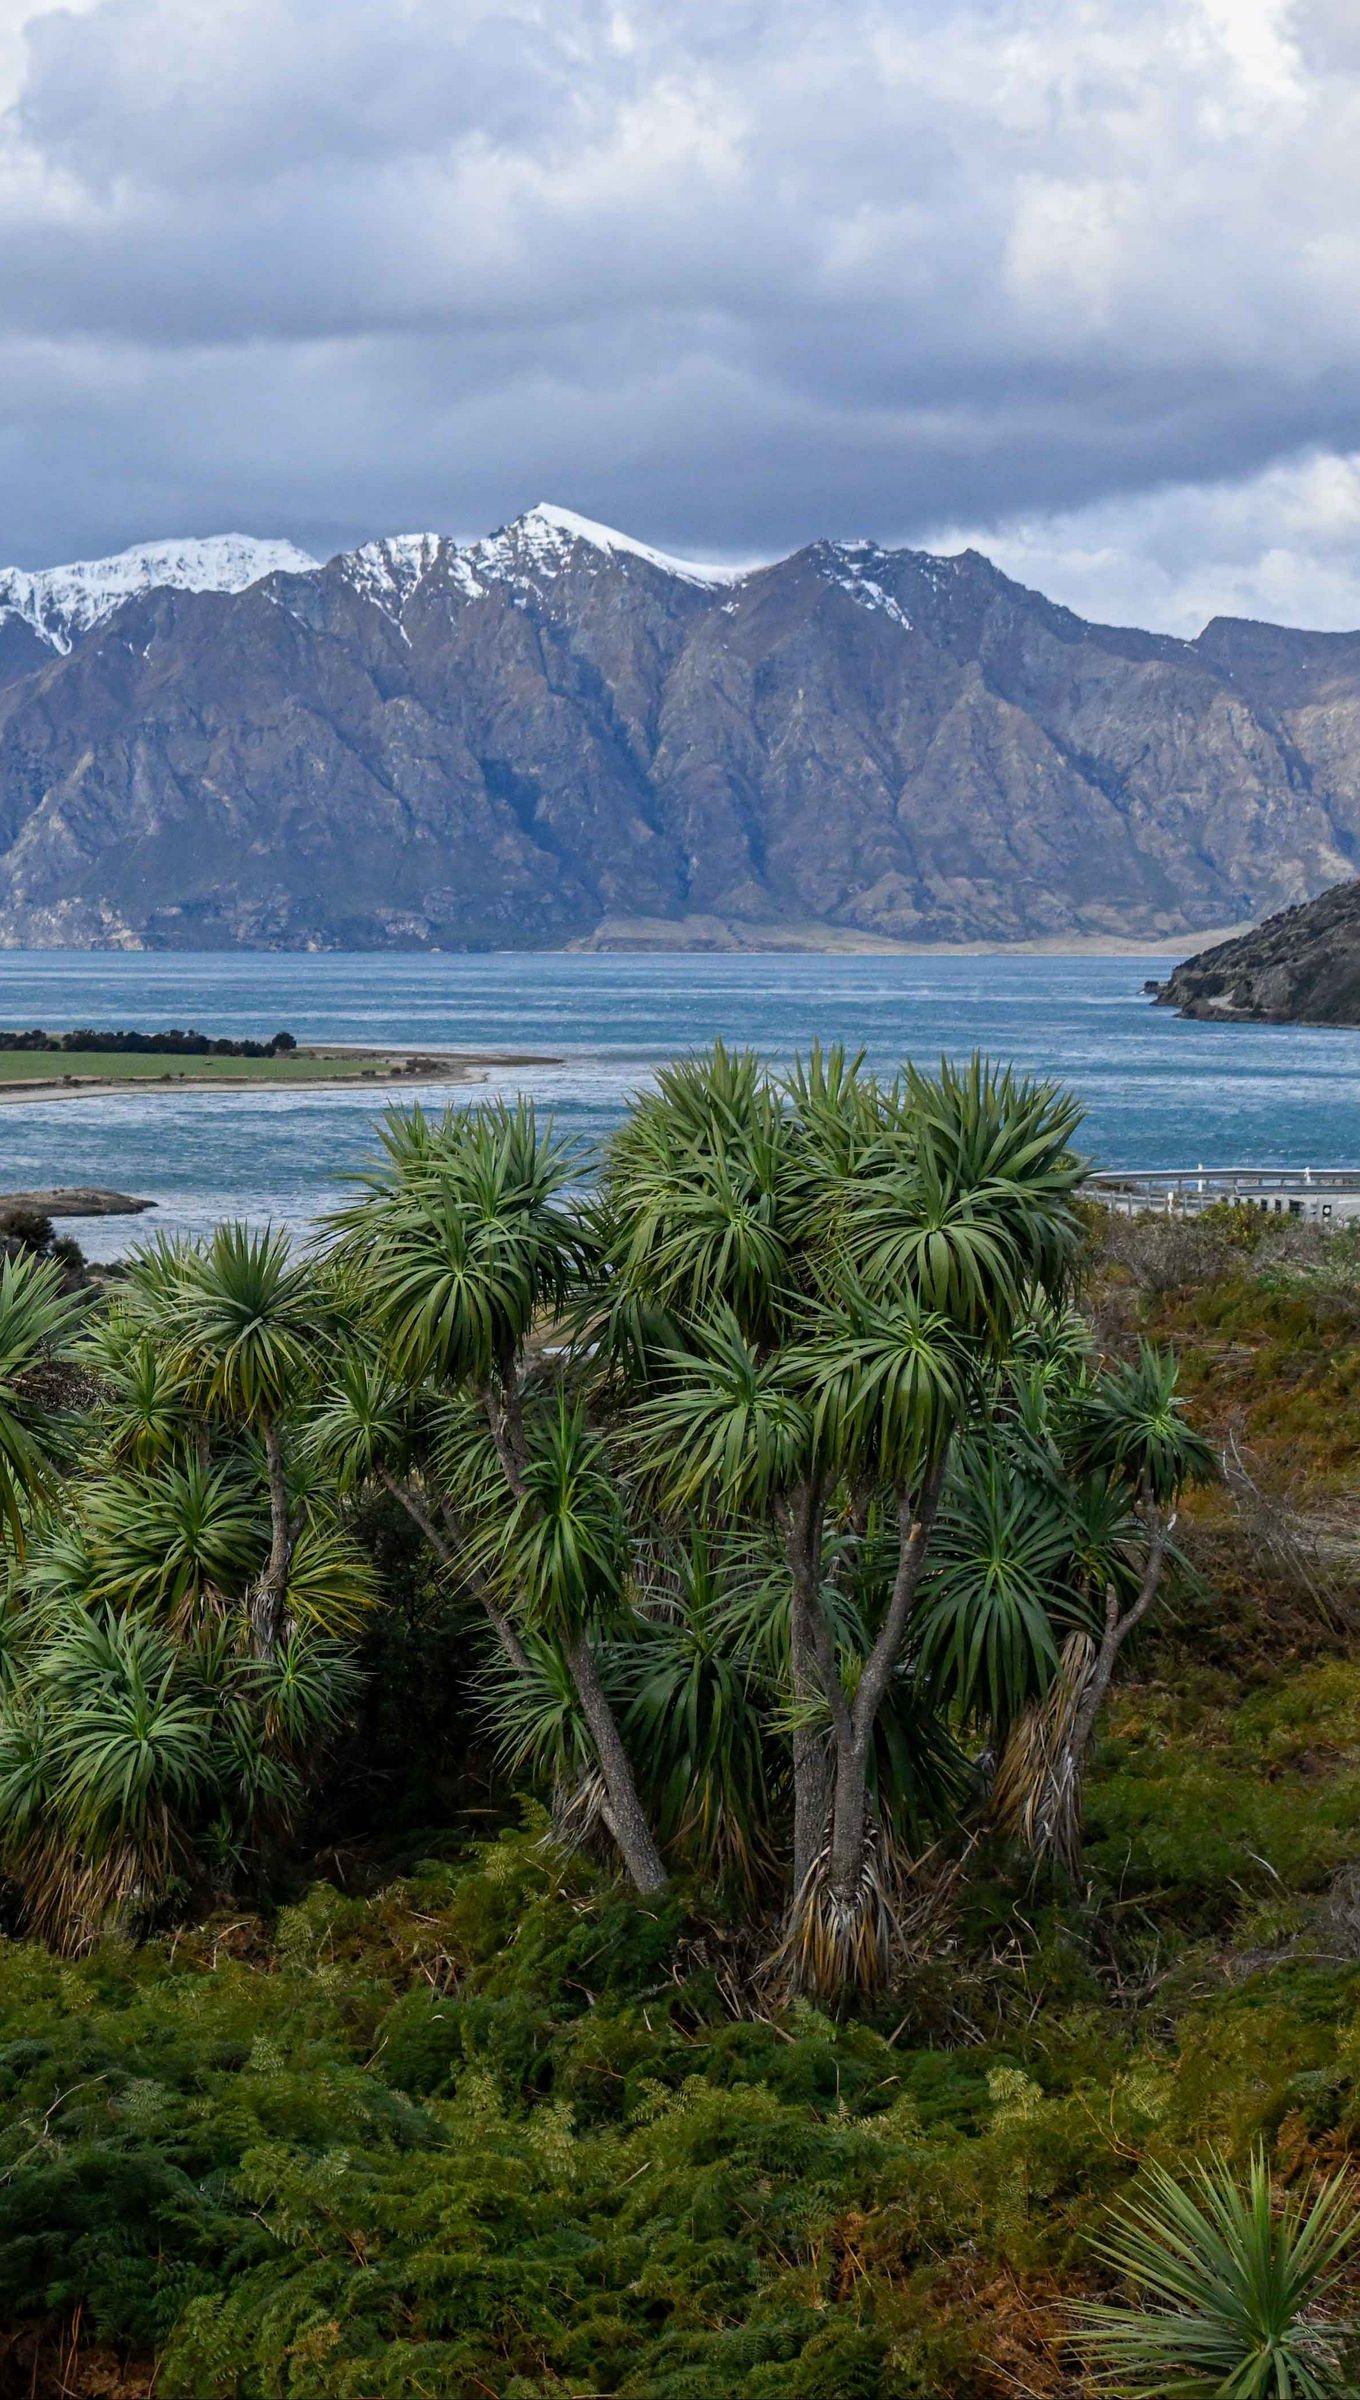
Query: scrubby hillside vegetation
point(745, 1778)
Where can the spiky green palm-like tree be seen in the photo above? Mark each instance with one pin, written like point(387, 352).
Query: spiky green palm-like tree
point(103, 1750)
point(243, 1318)
point(786, 1298)
point(725, 1433)
point(304, 1691)
point(998, 1590)
point(698, 1709)
point(363, 1426)
point(1133, 1454)
point(144, 1411)
point(959, 1219)
point(181, 1539)
point(461, 1242)
point(38, 1325)
point(564, 1562)
point(132, 1753)
point(459, 1248)
point(1231, 2288)
point(143, 1732)
point(698, 1207)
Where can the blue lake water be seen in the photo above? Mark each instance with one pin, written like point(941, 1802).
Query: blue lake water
point(1158, 1091)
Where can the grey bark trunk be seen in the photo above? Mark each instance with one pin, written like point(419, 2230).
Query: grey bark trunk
point(625, 1818)
point(854, 1738)
point(1116, 1632)
point(849, 1819)
point(268, 1600)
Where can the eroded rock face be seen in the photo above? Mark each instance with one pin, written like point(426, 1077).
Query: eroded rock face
point(1301, 967)
point(511, 741)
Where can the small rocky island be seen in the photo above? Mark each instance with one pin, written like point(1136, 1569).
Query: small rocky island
point(1301, 967)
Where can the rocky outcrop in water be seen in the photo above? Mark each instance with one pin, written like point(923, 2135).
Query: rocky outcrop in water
point(1301, 967)
point(74, 1200)
point(516, 741)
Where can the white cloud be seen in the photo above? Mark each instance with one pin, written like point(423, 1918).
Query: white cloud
point(1283, 545)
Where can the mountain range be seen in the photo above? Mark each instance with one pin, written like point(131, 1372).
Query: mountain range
point(557, 734)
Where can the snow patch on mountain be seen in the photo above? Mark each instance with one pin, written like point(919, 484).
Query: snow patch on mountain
point(847, 564)
point(387, 571)
point(62, 603)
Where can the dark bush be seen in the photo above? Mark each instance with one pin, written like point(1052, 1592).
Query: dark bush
point(171, 1044)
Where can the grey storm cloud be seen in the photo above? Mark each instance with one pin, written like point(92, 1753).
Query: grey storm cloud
point(1078, 282)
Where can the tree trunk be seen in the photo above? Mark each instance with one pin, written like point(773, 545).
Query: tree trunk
point(1116, 1633)
point(506, 1420)
point(626, 1820)
point(855, 1736)
point(268, 1600)
point(811, 1800)
point(849, 1820)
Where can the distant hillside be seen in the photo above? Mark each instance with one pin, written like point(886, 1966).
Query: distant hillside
point(531, 738)
point(1301, 967)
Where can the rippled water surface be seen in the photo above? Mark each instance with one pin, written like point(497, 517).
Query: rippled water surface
point(1157, 1091)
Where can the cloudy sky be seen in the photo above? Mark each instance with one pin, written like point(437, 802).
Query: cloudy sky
point(1076, 280)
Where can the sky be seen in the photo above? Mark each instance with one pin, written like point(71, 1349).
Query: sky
point(1075, 281)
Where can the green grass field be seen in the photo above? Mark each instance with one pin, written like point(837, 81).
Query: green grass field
point(113, 1066)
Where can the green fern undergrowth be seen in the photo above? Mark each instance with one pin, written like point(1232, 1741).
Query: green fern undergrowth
point(495, 2128)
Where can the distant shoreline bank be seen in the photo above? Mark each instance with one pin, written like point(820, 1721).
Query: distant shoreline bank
point(701, 937)
point(648, 938)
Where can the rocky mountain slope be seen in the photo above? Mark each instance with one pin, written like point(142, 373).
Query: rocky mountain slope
point(1301, 967)
point(531, 738)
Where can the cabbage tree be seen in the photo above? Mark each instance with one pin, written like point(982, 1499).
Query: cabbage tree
point(241, 1320)
point(817, 1281)
point(1133, 1455)
point(38, 1327)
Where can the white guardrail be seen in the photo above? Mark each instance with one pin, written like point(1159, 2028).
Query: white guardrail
point(1328, 1195)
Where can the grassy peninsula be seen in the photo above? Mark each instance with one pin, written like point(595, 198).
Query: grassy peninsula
point(450, 1949)
point(37, 1064)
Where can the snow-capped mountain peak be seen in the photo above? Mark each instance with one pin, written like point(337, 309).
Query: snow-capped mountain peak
point(62, 603)
point(548, 538)
point(533, 550)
